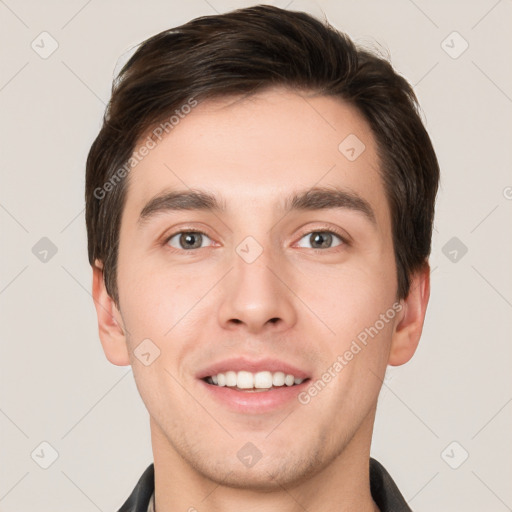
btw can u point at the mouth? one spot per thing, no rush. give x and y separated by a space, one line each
253 387
249 382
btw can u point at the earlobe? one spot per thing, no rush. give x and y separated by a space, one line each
407 331
110 325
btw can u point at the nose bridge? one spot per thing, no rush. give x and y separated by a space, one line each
256 296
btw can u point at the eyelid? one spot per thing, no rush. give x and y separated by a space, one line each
180 231
342 234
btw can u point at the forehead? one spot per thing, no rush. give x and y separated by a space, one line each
251 152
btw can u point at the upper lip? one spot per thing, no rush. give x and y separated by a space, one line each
251 365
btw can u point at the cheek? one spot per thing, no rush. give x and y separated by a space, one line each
162 303
349 299
151 302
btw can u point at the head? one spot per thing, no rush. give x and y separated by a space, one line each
280 129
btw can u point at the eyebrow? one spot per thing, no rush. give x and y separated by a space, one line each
317 198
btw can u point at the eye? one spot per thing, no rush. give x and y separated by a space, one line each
322 239
186 240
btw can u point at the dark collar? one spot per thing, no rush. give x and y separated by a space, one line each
384 491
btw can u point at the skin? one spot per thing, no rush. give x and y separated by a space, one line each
253 152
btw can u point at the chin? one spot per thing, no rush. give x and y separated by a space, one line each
268 474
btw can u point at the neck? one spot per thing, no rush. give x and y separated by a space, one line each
341 485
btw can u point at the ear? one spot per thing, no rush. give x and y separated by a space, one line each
110 323
407 330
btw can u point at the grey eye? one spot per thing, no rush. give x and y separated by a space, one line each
187 240
321 239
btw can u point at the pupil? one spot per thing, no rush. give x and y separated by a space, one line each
188 240
319 238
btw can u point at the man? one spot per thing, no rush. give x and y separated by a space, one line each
260 202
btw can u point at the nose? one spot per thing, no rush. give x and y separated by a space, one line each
256 296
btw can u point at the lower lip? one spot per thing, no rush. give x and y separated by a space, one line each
257 401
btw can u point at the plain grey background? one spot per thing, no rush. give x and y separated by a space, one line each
443 424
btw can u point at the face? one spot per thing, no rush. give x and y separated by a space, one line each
262 285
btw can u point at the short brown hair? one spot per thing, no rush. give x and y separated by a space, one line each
243 52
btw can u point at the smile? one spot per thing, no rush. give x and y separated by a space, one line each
249 381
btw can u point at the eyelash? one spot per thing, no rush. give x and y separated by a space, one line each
343 238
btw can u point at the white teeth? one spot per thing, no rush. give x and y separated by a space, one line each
245 380
263 380
259 380
278 379
231 379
